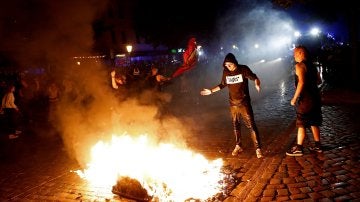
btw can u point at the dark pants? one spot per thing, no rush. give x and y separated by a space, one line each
11 119
245 113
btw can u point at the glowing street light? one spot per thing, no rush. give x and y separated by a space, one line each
297 34
129 49
315 31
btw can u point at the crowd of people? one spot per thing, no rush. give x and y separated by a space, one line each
26 97
140 78
22 94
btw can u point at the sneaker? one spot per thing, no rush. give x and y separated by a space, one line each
259 153
316 149
236 150
13 136
295 151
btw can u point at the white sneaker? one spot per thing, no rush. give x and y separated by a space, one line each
236 150
259 154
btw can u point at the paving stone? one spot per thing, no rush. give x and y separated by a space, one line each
266 198
320 188
282 192
258 189
315 196
298 185
275 186
305 190
325 200
298 196
340 191
355 195
294 190
343 198
328 193
343 177
269 192
289 180
275 181
339 184
282 198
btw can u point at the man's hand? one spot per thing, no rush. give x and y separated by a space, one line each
205 91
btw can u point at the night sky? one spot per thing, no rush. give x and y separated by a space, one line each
35 29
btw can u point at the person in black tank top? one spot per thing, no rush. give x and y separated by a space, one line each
306 100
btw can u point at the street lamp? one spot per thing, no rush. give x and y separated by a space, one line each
129 49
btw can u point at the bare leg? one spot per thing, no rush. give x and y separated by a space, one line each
316 133
301 135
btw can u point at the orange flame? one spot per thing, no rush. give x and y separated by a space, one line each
186 174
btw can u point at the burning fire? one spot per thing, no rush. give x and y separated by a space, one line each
167 173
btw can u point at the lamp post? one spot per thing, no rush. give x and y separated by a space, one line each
129 49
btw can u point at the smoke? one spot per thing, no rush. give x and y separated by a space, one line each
41 32
98 113
258 35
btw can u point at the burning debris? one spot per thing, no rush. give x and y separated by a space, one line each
155 172
130 188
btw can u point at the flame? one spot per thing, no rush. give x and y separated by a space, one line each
166 172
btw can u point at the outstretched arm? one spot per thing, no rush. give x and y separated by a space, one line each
257 84
207 91
113 80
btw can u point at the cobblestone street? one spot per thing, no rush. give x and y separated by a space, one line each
34 168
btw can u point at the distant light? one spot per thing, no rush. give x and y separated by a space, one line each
78 63
200 51
129 48
235 47
315 31
89 57
256 45
120 55
297 34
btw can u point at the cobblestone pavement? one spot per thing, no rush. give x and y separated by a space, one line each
34 168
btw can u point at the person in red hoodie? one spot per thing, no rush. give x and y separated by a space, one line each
235 77
190 58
